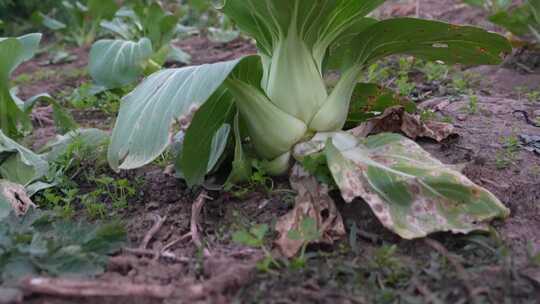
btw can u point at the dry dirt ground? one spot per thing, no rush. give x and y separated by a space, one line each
370 266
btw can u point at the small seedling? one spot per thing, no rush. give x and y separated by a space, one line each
427 115
509 154
255 237
473 104
435 71
307 232
258 181
533 96
534 257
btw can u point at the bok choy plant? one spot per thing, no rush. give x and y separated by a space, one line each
14 112
278 108
143 35
78 21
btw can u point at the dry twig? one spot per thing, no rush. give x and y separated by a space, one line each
158 223
195 221
94 288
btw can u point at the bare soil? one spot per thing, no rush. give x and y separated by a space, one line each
482 268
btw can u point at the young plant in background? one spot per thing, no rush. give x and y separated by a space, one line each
522 21
282 110
14 112
78 21
143 43
217 26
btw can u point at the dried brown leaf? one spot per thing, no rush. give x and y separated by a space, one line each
15 195
396 119
313 202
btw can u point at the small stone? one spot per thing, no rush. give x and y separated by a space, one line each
462 117
10 295
152 206
536 114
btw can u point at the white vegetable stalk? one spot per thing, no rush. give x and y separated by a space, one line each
297 102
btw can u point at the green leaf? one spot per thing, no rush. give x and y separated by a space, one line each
40 243
117 63
18 164
241 166
146 115
259 231
178 55
57 147
245 238
431 40
370 100
410 192
197 151
50 23
64 122
13 52
318 23
102 9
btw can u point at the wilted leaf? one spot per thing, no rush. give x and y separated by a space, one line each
397 119
312 201
410 192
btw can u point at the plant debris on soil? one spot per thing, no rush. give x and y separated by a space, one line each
180 246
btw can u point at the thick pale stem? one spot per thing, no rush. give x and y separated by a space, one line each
333 115
272 131
294 83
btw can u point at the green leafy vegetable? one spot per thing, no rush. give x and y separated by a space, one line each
283 100
39 243
116 63
523 20
79 20
14 112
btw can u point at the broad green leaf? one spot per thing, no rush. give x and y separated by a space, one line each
102 9
13 52
431 40
293 37
30 45
142 129
18 164
318 23
117 63
410 192
197 147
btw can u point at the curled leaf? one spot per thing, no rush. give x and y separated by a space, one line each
312 202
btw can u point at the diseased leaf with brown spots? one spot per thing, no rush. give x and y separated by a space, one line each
411 193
